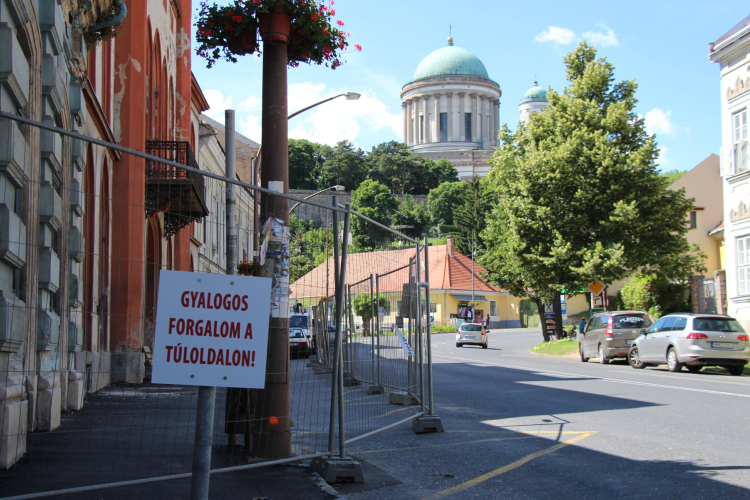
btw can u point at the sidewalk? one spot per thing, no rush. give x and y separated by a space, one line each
134 432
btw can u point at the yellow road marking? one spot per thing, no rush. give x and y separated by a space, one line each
509 467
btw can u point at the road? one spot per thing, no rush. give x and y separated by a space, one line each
523 426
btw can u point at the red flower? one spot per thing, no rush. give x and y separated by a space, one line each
333 12
256 2
324 31
314 17
230 13
229 27
332 2
340 22
237 19
358 47
327 49
323 8
212 23
207 32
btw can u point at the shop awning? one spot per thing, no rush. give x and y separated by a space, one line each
467 298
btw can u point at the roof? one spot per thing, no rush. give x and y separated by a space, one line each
535 93
450 61
734 30
446 273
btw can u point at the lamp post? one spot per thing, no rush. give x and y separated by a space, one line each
473 254
337 187
350 96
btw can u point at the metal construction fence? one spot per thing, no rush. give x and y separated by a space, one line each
349 354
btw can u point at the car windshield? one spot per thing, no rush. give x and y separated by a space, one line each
631 321
298 322
296 333
471 328
717 325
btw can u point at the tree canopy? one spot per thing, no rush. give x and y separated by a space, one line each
413 214
305 163
579 196
442 201
469 218
374 200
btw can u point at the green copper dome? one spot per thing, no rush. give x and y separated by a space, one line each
450 61
535 93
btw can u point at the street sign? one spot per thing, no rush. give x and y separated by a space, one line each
563 308
432 319
381 314
211 330
404 344
433 307
596 287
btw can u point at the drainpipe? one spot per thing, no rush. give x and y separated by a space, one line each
115 20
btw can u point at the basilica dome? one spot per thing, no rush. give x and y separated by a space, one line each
450 61
535 93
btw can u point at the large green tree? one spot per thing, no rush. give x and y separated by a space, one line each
305 163
412 214
373 200
344 165
437 172
470 217
579 194
395 166
443 201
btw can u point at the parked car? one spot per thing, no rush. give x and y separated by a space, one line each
472 334
693 341
299 343
608 335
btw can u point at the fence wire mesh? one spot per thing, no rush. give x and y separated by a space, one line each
79 408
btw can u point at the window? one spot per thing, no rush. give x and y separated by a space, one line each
693 219
17 202
421 128
658 326
740 149
443 127
467 122
16 282
398 305
743 265
493 308
669 324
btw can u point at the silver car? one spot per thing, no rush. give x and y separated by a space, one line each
472 334
608 335
693 341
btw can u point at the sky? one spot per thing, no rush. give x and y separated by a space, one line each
662 44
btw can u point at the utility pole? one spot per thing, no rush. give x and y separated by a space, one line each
271 436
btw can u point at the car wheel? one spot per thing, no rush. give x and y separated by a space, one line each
602 358
735 369
694 368
634 359
580 351
459 345
672 363
485 345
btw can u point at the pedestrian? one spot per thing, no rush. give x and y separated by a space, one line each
479 319
487 322
582 325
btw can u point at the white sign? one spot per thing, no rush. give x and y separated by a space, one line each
404 344
211 330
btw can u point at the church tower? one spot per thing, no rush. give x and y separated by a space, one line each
534 101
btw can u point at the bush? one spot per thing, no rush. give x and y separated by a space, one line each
654 294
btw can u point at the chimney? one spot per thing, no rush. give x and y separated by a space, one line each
449 246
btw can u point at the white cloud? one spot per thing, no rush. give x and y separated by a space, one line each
658 121
217 104
560 36
328 123
663 161
608 39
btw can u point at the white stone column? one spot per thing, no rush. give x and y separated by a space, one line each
437 117
474 117
485 121
409 126
403 112
426 114
461 117
496 119
450 117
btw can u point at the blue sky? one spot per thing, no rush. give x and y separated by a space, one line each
663 44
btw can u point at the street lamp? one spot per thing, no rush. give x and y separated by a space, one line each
337 187
350 96
474 253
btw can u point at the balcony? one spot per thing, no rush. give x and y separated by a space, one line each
176 192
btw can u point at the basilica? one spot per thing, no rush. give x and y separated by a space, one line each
451 109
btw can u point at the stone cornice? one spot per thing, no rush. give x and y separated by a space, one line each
97 115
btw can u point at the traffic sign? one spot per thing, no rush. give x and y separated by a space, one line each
596 287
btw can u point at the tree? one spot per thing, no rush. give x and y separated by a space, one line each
438 172
469 218
411 213
672 176
442 201
579 196
395 166
343 165
362 303
375 201
305 163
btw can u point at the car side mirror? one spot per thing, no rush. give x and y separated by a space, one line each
487 331
644 332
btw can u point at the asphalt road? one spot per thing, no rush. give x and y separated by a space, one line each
522 426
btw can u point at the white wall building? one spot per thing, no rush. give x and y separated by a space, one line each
534 101
732 52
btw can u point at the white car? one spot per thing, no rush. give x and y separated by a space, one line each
472 334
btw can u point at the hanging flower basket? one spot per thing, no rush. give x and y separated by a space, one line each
244 43
249 268
275 25
307 25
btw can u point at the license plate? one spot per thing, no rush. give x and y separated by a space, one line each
469 338
627 342
722 345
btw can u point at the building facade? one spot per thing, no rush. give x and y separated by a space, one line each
732 52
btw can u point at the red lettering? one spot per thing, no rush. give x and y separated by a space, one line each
177 353
199 328
169 352
202 301
217 301
208 302
185 299
224 329
193 296
189 329
236 302
211 356
220 357
203 361
253 363
171 325
236 358
227 302
216 330
207 332
184 354
249 331
234 330
194 355
244 303
245 358
180 326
